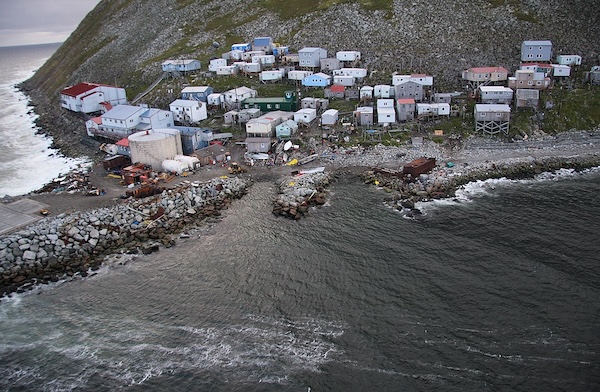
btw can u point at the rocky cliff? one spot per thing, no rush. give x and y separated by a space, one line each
123 42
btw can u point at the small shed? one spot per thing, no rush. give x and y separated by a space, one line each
559 70
363 115
258 144
286 129
348 55
568 59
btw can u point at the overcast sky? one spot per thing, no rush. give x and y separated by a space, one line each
28 22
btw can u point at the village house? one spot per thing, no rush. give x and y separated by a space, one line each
310 57
196 93
344 80
286 103
271 75
348 55
243 47
330 64
527 98
442 97
329 117
249 68
358 73
491 119
214 64
265 60
335 91
559 70
235 96
317 80
182 66
366 93
286 129
422 79
193 138
245 115
214 100
280 51
124 120
264 44
248 56
260 127
568 59
187 111
593 76
305 116
405 108
298 75
528 79
363 116
409 89
383 91
536 51
495 94
314 103
428 110
386 113
91 97
478 76
227 70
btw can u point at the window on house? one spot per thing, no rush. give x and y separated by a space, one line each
498 114
540 48
531 48
530 83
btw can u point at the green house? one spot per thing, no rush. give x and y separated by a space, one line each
287 103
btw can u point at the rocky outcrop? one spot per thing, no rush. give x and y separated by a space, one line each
76 244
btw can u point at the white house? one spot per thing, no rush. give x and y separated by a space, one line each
495 94
386 113
559 70
266 59
422 79
305 116
243 47
239 94
251 67
259 127
214 99
298 75
366 92
269 76
568 59
180 65
186 111
358 73
311 57
383 91
227 70
348 55
329 117
214 64
249 55
91 97
433 109
344 80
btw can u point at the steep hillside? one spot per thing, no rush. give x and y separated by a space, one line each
124 41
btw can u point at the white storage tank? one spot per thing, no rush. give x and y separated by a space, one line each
173 166
152 147
191 162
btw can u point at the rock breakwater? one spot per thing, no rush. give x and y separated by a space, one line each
298 193
76 244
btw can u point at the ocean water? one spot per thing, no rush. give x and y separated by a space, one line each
495 290
26 160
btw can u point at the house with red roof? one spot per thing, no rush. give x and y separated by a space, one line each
91 97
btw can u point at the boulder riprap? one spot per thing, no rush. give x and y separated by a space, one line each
74 244
298 193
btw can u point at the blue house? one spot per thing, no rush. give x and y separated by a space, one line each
317 80
263 43
245 47
196 93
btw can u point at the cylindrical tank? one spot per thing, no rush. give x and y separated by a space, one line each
171 165
152 147
191 162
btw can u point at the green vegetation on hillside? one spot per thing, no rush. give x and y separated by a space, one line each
287 10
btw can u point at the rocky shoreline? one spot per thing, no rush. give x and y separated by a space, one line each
76 244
